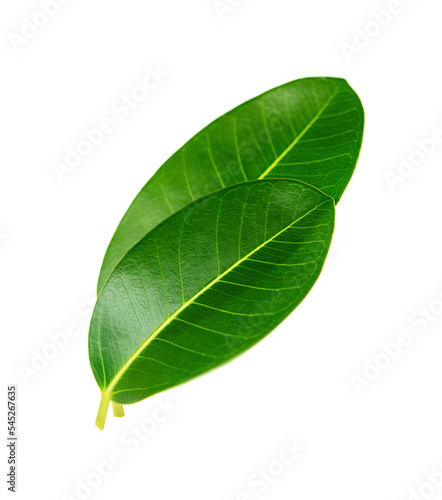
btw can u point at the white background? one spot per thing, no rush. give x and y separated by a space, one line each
297 384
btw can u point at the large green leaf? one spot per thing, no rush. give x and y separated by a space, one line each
309 129
205 285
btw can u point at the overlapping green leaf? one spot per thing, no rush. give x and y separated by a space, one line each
309 129
205 285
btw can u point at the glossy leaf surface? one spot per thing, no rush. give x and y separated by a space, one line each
309 129
205 285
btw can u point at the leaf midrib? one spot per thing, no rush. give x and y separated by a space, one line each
300 136
108 390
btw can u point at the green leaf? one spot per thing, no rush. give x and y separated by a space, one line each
205 285
309 129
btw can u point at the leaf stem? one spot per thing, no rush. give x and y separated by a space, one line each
102 410
118 410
